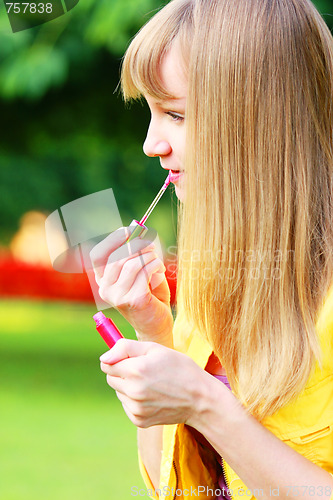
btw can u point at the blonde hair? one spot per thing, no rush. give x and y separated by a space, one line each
256 228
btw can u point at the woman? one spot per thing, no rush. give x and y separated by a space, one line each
252 165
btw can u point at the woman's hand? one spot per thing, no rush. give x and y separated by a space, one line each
155 384
132 280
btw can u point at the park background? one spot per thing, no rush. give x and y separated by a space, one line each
65 133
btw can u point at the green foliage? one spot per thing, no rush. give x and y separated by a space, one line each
35 60
325 8
34 72
111 25
65 130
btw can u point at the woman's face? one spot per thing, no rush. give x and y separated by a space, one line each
166 133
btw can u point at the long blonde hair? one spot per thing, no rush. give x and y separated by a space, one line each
256 229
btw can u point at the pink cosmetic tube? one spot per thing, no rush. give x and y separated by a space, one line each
107 329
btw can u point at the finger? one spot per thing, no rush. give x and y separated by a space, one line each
125 391
132 411
129 369
113 266
156 280
127 290
126 348
100 253
137 245
117 250
131 405
144 277
124 271
144 273
120 369
116 383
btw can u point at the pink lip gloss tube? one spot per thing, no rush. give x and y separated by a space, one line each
107 329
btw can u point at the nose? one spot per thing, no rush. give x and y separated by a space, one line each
155 144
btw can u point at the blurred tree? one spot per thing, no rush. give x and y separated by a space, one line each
65 131
47 56
34 60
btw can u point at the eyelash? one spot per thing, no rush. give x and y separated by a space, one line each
175 117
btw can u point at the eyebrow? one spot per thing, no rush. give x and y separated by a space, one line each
169 101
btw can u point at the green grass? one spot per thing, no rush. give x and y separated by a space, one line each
63 432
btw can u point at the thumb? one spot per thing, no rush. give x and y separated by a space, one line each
125 348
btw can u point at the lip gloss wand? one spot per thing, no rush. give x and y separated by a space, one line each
140 229
105 326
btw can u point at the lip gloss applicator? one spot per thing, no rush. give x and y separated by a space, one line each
140 229
105 326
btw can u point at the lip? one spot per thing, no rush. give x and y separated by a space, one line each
175 176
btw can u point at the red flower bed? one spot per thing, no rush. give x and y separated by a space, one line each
20 279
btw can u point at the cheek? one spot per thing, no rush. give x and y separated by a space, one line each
179 143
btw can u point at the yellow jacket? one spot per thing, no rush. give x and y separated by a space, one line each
305 424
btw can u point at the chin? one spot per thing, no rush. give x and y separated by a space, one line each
180 193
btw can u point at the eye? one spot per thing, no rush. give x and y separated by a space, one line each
176 117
